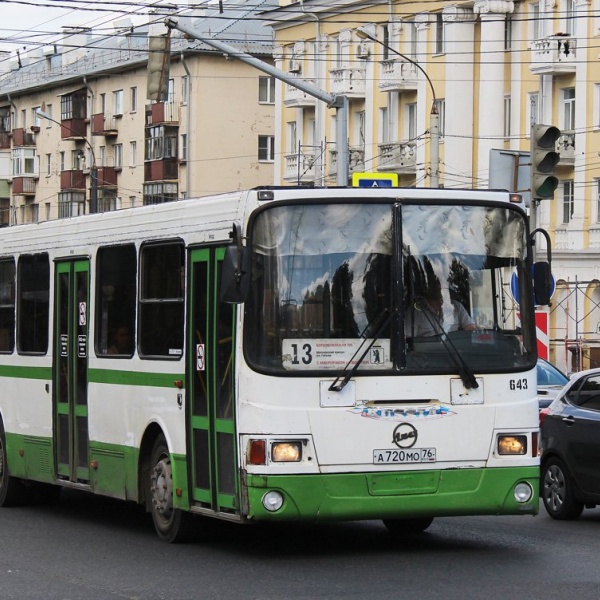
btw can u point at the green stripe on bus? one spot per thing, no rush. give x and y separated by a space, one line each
110 376
25 372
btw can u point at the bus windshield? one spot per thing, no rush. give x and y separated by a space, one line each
395 287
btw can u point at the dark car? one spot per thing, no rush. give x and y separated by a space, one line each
570 448
550 381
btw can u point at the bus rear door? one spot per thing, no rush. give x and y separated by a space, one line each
70 377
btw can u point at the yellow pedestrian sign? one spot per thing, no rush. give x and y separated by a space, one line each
375 180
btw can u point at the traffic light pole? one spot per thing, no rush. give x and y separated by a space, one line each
339 102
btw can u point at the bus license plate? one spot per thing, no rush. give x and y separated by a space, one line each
409 455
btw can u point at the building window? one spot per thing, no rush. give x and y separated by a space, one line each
440 104
35 117
107 200
132 154
33 304
133 99
292 138
414 40
73 106
568 200
439 34
62 161
359 128
103 104
411 118
171 91
570 16
569 109
184 147
161 142
185 89
534 108
597 186
101 156
71 204
48 111
386 42
384 125
118 149
266 90
266 148
48 164
508 32
507 106
115 313
118 102
534 11
161 306
158 193
23 161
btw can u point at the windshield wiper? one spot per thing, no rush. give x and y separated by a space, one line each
466 374
380 325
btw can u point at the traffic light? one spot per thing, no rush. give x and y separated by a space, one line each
159 47
544 159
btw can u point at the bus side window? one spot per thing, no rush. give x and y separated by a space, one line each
7 305
115 301
161 306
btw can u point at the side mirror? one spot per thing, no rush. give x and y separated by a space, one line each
235 272
542 283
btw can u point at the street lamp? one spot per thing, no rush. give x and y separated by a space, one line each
434 117
93 169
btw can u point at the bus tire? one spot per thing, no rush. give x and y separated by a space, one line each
402 526
172 525
13 491
557 491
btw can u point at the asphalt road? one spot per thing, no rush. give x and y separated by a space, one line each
89 548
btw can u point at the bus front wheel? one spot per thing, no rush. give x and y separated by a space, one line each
171 524
13 491
402 526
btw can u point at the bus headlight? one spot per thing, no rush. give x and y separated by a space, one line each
272 501
523 492
286 452
512 445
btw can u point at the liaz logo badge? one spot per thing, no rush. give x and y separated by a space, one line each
405 435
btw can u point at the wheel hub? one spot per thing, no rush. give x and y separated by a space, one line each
162 488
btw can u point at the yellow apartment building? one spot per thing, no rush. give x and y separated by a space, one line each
491 68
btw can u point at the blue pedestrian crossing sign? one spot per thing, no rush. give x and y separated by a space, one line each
375 180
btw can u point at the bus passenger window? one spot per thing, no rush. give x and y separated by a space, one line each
115 301
161 300
7 305
33 304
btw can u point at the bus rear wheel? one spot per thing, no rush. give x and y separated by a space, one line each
172 525
402 526
13 491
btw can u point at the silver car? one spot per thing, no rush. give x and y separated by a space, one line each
550 381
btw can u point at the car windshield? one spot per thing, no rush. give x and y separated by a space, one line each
548 374
428 283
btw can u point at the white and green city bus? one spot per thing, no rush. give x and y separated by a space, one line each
276 376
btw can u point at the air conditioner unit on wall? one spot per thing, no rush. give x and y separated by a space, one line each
295 66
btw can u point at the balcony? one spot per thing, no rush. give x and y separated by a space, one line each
21 137
565 146
4 140
73 129
554 55
106 177
397 75
72 180
161 170
300 168
162 112
24 186
296 98
399 157
104 124
349 82
356 161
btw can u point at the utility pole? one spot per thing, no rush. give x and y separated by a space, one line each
340 103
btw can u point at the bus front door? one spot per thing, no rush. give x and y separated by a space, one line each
210 366
70 370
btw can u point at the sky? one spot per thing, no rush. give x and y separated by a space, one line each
28 23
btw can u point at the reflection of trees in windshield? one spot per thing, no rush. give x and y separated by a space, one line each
344 323
458 283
